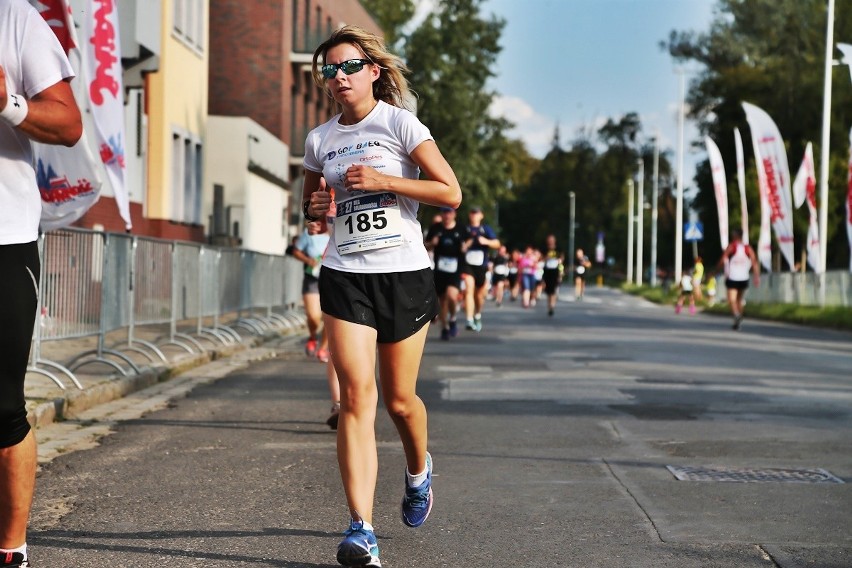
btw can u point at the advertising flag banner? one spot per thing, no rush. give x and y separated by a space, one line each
776 173
67 178
720 188
846 49
741 182
102 62
764 241
804 189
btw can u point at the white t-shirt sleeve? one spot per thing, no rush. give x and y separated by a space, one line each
45 64
311 160
410 131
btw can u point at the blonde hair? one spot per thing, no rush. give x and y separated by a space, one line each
391 86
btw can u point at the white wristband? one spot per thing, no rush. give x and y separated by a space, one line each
16 110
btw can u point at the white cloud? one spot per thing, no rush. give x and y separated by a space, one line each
534 129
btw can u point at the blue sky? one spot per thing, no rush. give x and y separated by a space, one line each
579 62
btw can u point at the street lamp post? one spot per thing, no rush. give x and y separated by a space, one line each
630 231
640 219
679 206
571 233
654 213
823 162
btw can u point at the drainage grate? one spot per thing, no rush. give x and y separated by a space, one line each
749 475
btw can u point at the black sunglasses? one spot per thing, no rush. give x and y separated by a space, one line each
329 70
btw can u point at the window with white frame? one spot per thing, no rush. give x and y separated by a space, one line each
187 154
188 24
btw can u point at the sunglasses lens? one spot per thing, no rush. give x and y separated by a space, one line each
329 71
352 66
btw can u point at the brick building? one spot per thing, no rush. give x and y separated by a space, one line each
260 55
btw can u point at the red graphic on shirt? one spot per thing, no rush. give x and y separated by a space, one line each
61 190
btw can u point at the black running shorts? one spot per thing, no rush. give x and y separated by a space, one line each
478 273
551 281
310 285
444 280
395 304
19 265
736 284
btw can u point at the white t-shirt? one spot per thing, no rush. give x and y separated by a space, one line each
383 140
739 264
32 60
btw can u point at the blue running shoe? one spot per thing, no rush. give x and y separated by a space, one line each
417 502
359 548
454 329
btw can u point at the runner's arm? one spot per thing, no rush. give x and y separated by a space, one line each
53 116
314 190
441 188
755 265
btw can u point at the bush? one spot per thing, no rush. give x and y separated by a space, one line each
834 317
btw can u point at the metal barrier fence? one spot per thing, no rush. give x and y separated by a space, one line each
95 283
799 288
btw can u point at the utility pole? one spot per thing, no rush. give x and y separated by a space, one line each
630 231
571 197
654 212
679 207
640 220
823 162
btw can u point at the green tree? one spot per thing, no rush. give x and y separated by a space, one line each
452 55
599 181
769 53
391 15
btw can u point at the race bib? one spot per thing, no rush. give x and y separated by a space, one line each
475 257
368 222
551 263
501 269
448 264
581 269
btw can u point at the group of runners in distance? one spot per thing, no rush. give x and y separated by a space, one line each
471 264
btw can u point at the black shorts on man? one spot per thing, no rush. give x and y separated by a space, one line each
19 264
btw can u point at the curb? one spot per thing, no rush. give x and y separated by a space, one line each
73 402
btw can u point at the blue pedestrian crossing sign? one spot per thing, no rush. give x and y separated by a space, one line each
693 231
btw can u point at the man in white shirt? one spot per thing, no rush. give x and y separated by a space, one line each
36 103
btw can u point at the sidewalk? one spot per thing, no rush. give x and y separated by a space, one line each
47 402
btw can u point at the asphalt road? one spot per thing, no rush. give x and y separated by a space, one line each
550 437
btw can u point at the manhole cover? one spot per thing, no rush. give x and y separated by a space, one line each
816 475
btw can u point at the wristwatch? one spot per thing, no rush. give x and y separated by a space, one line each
308 216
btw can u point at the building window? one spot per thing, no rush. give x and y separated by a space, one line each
187 154
188 26
177 177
